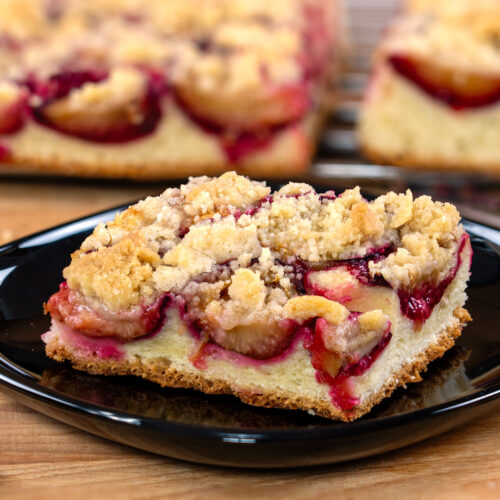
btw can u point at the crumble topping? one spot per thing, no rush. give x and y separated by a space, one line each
229 246
123 87
372 321
119 273
205 197
206 44
210 243
469 42
427 241
242 52
22 18
247 302
119 97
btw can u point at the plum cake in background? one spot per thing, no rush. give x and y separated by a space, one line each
434 97
294 299
163 89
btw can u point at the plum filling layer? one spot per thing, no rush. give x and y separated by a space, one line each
338 352
458 90
334 368
208 349
256 340
417 304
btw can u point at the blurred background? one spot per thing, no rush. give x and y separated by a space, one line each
30 202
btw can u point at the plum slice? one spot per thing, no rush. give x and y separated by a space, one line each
419 302
70 307
340 285
102 120
260 340
457 88
340 352
244 125
273 106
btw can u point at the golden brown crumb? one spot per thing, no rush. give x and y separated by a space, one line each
221 195
310 306
127 251
120 274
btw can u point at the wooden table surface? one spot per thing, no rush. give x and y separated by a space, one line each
42 458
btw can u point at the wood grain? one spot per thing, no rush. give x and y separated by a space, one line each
42 458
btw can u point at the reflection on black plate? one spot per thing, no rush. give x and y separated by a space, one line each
219 429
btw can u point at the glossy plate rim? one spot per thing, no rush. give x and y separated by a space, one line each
15 380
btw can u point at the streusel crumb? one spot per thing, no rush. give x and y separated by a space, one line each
243 241
228 192
117 274
244 37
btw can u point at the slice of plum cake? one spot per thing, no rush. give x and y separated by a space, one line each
291 299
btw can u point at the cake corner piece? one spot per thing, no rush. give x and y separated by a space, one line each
292 299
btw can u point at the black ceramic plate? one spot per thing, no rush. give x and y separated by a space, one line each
218 429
